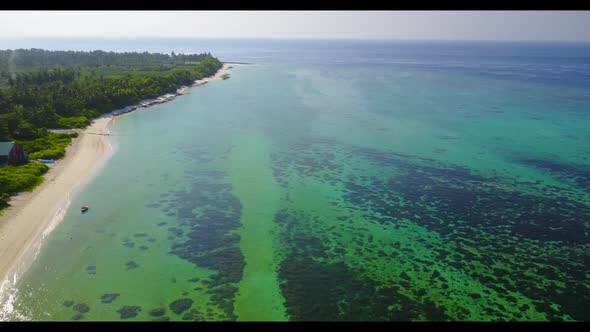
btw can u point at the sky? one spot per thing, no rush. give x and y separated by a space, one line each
405 25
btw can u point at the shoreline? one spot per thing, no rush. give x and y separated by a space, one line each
222 73
33 215
219 75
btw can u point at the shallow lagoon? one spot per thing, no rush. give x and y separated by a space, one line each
327 189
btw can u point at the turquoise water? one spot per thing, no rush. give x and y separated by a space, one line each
318 186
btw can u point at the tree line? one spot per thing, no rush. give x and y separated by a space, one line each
43 58
65 97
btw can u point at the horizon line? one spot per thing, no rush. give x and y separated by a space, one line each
301 38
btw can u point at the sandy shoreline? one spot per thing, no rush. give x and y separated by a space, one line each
33 215
29 220
218 76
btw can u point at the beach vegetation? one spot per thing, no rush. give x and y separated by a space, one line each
15 179
49 146
3 200
74 122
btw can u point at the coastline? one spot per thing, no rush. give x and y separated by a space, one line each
218 76
33 215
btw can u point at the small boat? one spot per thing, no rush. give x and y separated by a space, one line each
85 208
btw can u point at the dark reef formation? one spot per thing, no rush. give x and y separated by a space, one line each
209 215
81 308
157 312
511 237
129 311
108 298
181 305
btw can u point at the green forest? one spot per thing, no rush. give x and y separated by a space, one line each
42 89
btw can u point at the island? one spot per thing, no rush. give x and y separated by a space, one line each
44 92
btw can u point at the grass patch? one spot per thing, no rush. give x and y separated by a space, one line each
73 122
15 179
51 146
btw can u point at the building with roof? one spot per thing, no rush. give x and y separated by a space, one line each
12 153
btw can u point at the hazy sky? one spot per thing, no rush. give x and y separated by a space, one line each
483 25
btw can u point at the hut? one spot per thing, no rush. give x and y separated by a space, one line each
5 148
12 153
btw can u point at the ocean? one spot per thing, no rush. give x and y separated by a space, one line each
335 180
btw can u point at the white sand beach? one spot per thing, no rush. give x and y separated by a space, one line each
218 76
27 221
